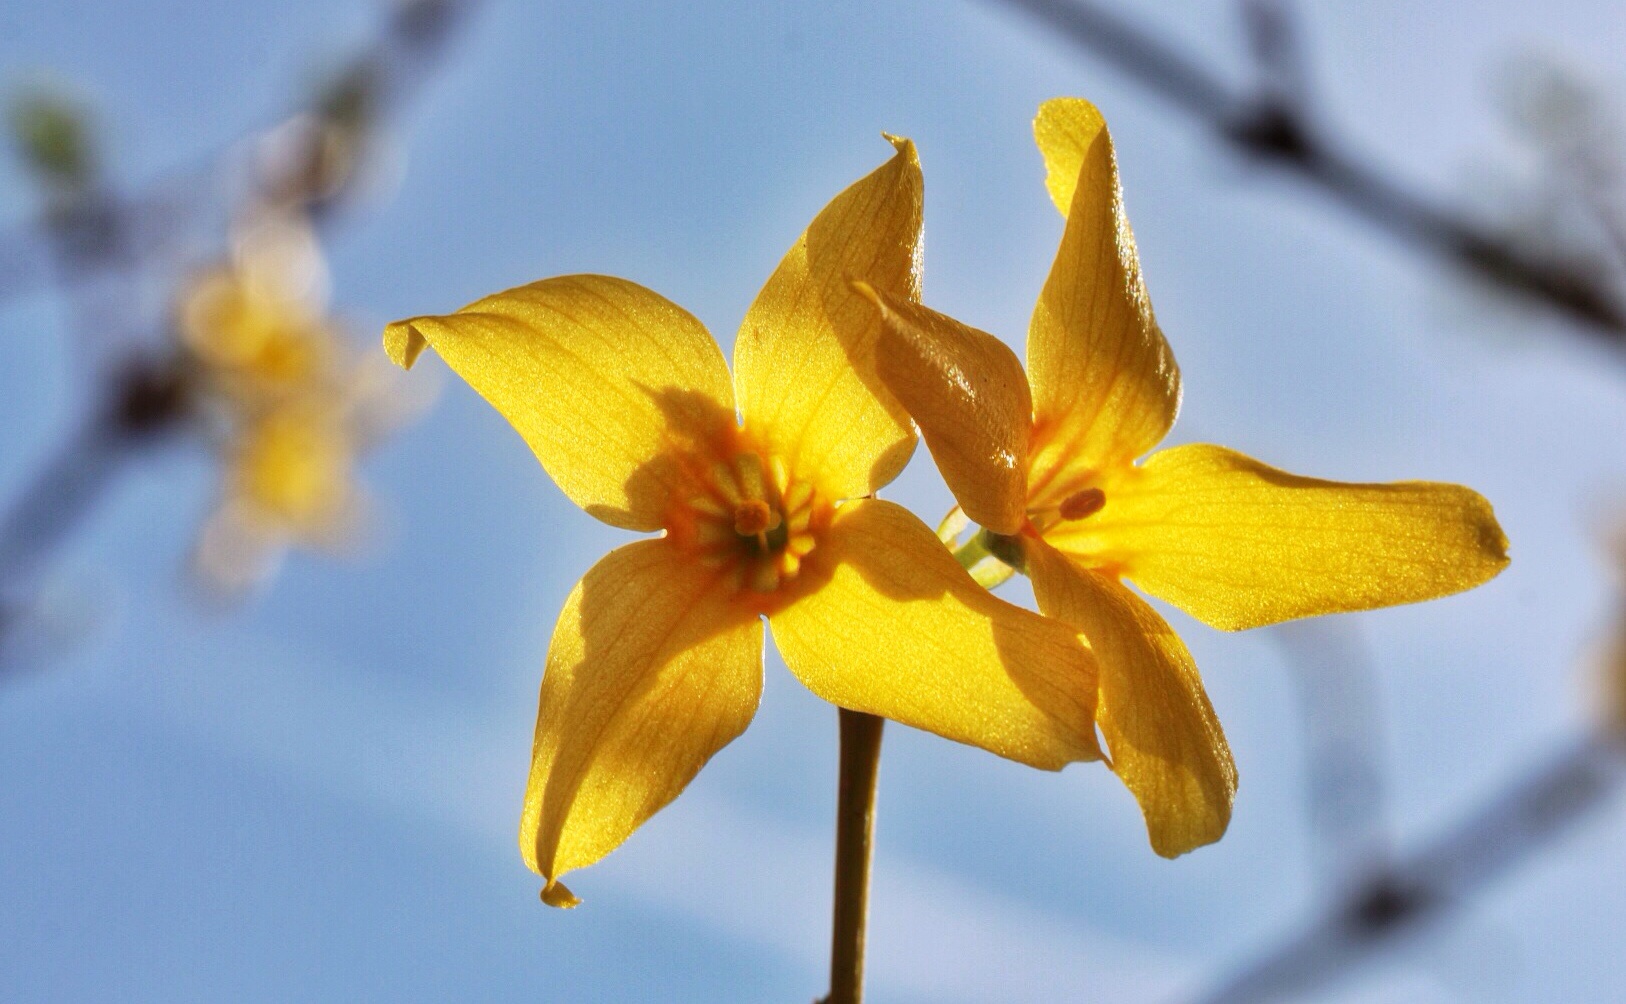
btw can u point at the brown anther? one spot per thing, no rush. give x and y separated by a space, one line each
754 516
1081 504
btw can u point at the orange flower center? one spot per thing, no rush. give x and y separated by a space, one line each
754 516
750 519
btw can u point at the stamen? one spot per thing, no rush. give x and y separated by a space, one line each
753 517
789 564
748 475
1081 504
780 472
723 480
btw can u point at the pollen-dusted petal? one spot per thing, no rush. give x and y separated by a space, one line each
1161 731
966 390
1238 544
804 363
652 669
899 629
1105 385
607 381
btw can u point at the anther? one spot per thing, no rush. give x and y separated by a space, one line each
754 516
1081 504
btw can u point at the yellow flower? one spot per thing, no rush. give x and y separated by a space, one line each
656 661
291 406
1046 462
288 479
257 322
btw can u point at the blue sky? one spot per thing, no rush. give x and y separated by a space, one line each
315 798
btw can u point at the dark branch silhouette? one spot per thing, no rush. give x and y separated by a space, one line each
1423 888
1269 124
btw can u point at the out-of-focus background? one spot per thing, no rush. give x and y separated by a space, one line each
315 795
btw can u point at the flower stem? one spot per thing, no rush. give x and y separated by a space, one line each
855 829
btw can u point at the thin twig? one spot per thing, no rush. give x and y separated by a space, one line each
1423 888
1262 126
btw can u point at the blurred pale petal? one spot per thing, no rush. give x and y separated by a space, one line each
967 392
612 385
1161 731
652 669
1105 385
294 466
897 628
1238 544
804 363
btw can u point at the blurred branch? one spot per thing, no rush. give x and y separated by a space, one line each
327 144
1343 739
314 165
1269 123
309 165
1420 890
145 401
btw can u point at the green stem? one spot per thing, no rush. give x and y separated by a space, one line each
990 558
855 830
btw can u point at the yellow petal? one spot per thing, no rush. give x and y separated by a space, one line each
610 384
1161 731
966 390
898 629
1105 385
804 363
652 669
1238 544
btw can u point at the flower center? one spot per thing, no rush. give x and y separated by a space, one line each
750 517
754 516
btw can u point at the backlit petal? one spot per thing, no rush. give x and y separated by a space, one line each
966 390
652 669
898 629
1105 385
1238 544
610 384
804 363
1161 731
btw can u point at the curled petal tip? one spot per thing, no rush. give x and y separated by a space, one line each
403 343
556 895
904 145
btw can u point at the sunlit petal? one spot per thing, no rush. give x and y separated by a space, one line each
608 382
804 363
1161 731
1105 385
966 390
652 670
899 629
1238 544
